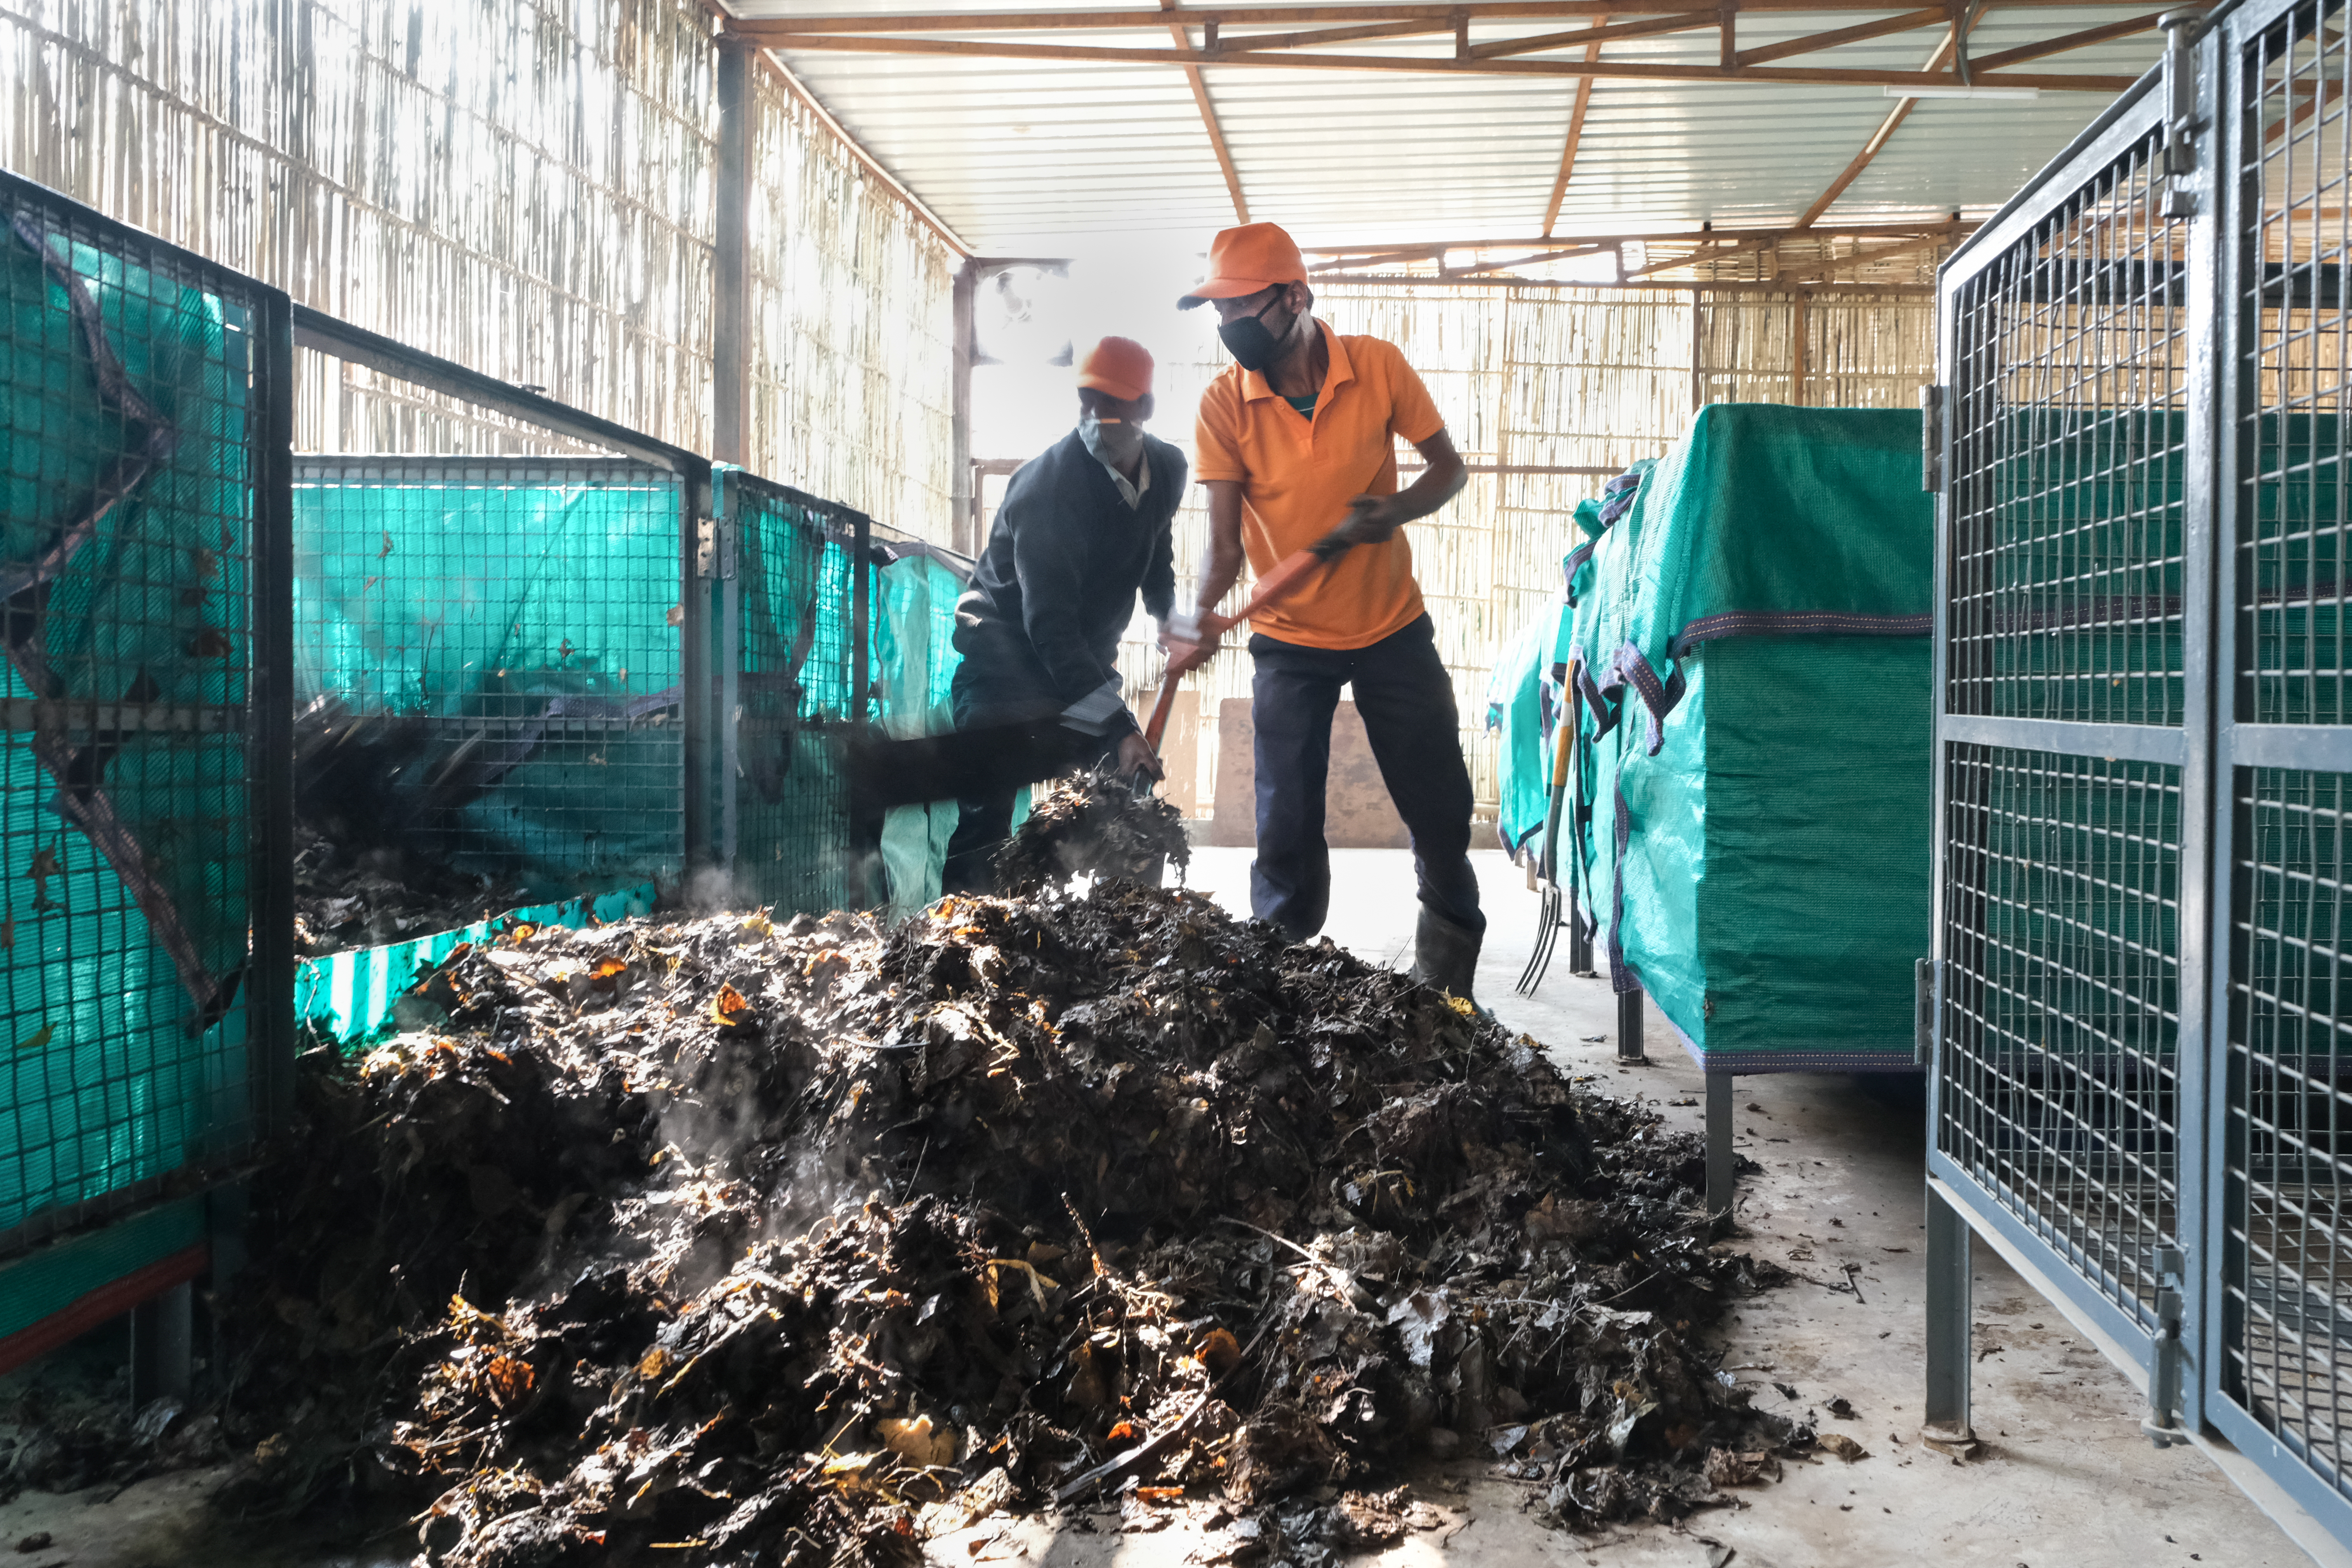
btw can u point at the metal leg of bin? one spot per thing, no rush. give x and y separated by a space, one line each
1948 1307
1580 943
1722 1163
162 1346
1629 1027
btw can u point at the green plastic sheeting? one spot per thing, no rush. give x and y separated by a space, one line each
1758 768
517 616
916 659
795 649
349 995
1515 710
125 537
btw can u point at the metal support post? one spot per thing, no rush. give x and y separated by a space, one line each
730 268
162 1346
1629 1027
1948 1307
1722 1163
1580 942
268 997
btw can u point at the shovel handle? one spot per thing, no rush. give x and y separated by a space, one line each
1287 576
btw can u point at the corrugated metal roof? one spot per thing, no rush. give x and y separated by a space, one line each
1047 158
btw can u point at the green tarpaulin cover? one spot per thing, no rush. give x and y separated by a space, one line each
1755 656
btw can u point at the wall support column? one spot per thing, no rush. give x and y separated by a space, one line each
730 315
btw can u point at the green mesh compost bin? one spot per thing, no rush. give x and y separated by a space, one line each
1755 656
134 486
788 631
508 631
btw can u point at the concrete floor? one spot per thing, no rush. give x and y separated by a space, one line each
2063 1478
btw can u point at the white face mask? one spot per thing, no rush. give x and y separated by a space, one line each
1114 441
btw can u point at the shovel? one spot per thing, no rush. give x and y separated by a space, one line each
993 758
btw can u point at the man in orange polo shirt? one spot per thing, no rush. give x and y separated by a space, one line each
1295 440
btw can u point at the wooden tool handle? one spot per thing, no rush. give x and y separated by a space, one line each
1288 575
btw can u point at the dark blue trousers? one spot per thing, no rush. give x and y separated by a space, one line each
1406 700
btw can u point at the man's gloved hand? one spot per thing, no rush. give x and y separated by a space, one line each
1371 521
1135 755
1187 642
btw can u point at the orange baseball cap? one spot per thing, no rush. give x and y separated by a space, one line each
1246 260
1121 367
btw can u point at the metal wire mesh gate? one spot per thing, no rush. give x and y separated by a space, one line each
2142 1074
145 960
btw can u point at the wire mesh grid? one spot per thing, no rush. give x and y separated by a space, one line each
2291 508
489 663
2070 390
2061 1012
131 414
795 680
2288 1278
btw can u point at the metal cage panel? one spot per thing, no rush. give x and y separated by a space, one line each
498 642
145 985
793 652
2142 1058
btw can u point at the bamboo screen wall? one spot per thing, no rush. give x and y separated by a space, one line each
1545 378
853 356
524 186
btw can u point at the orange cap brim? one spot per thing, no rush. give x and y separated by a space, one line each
1228 289
1125 391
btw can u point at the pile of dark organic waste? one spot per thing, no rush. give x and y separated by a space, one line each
347 894
1093 825
368 794
802 1242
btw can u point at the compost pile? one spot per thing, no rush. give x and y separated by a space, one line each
1092 824
797 1243
367 795
347 894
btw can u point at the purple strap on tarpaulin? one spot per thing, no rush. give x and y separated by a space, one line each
1798 623
1576 558
1632 667
1604 711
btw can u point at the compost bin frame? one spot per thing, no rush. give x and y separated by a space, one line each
2119 1185
138 1247
121 1248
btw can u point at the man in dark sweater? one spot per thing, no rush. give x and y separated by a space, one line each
1082 527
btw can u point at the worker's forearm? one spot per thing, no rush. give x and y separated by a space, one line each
1438 484
1219 569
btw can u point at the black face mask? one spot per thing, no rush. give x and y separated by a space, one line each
1247 339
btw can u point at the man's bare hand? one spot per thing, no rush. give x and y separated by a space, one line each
1372 519
1136 756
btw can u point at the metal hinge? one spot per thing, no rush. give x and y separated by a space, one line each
714 547
2163 1426
2181 120
1923 1011
1931 437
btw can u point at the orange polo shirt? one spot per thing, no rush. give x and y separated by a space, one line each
1299 478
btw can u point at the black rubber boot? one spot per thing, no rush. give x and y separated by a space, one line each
1445 956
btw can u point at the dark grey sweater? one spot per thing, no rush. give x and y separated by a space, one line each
1056 587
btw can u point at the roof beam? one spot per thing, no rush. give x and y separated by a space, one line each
770 28
1568 253
1434 65
1315 38
1576 114
2063 42
1200 87
1377 251
1593 37
1818 270
1934 16
1703 257
1879 138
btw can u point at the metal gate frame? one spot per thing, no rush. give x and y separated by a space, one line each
2163 1312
